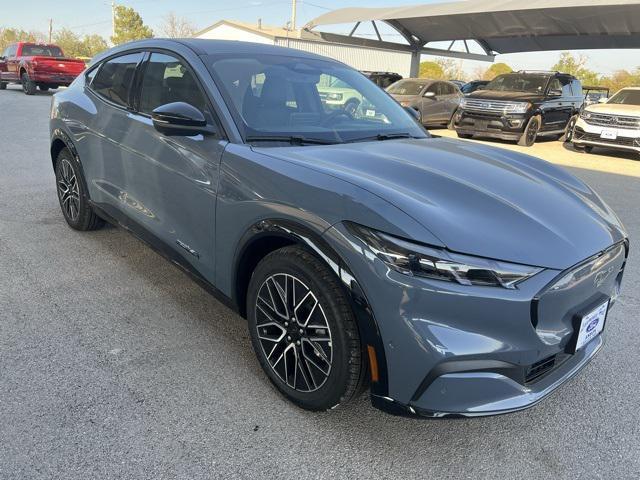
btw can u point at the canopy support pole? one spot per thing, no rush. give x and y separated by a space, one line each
414 70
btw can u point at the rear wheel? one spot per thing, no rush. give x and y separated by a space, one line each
43 88
303 330
28 86
464 135
72 194
530 134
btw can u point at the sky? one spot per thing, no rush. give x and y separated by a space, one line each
94 16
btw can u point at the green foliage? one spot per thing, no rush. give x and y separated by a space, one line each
496 69
129 26
431 70
13 35
74 46
576 66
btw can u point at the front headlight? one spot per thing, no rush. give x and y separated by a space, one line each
586 115
420 260
334 96
519 107
463 103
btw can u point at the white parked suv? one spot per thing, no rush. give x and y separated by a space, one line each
613 124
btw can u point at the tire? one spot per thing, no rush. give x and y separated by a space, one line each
464 135
43 88
3 85
530 134
315 375
72 194
28 87
568 132
351 106
583 148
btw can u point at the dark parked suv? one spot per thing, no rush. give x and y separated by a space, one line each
521 106
449 278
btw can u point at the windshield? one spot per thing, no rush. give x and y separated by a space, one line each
626 97
41 51
519 82
276 97
407 87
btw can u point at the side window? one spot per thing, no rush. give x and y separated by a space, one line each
555 85
10 51
167 80
113 80
434 88
90 75
576 87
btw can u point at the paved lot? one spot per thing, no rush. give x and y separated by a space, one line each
113 364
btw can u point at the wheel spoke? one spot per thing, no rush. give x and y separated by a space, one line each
296 344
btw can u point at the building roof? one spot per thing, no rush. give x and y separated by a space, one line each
508 26
264 30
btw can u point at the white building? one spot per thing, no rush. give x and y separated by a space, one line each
361 58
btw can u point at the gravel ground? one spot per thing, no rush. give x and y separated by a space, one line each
113 364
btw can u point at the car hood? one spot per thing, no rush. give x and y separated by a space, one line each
475 199
513 96
615 109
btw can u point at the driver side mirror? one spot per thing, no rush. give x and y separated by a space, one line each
430 95
180 118
555 93
2 58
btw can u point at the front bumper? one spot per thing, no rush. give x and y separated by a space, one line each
505 127
585 134
454 350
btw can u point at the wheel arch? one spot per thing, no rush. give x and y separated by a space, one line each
269 235
60 141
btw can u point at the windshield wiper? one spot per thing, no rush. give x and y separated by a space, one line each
384 136
292 139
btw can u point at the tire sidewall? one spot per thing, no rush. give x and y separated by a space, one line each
524 141
84 208
332 391
28 87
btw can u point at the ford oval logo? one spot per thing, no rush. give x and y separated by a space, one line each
592 325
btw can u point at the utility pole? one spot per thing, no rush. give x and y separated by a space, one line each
293 15
113 18
50 29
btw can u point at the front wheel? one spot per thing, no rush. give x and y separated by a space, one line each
351 107
3 85
568 133
464 135
28 86
530 134
303 330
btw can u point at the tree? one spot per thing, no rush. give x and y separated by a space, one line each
74 46
576 66
129 26
177 27
93 45
13 35
496 69
431 70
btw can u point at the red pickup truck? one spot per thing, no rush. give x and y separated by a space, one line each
36 65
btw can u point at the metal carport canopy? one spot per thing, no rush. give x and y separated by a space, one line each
500 26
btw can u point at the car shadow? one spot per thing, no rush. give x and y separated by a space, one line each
18 89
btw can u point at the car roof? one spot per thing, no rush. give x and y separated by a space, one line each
202 46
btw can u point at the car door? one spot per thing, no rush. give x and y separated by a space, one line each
557 108
172 180
431 105
10 69
451 98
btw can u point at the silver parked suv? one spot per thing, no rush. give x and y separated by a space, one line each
448 278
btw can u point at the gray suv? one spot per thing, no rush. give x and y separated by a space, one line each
446 278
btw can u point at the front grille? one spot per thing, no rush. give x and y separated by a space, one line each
594 137
538 369
497 107
606 120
